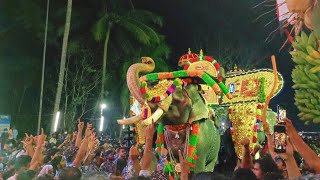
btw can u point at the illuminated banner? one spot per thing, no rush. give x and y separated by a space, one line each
251 86
5 122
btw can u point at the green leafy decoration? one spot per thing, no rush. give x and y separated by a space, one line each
262 93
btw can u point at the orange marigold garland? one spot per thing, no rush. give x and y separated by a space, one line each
160 138
191 157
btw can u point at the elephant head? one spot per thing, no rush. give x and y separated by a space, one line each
178 100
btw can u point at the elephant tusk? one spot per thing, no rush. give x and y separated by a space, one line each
130 120
154 117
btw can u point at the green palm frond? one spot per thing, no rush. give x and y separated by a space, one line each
162 50
161 65
153 36
100 28
136 31
123 42
146 17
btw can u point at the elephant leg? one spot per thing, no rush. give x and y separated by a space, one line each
207 147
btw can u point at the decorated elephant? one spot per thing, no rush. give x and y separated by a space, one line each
175 101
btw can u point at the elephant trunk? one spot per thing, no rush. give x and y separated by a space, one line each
133 82
129 121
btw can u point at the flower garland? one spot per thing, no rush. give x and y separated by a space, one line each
215 84
160 138
157 99
256 126
192 151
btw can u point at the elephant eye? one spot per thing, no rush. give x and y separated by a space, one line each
153 83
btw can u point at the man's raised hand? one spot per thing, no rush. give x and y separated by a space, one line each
245 142
149 132
80 125
184 167
134 153
89 130
41 138
74 136
28 140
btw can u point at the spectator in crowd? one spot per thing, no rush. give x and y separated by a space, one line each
70 173
27 175
108 165
53 139
15 133
21 164
4 137
121 160
264 165
58 163
243 174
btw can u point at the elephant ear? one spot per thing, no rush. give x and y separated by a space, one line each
199 108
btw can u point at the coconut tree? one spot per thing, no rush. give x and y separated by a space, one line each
139 24
63 60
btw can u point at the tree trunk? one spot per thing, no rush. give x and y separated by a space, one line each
105 54
66 96
131 4
22 98
63 62
43 67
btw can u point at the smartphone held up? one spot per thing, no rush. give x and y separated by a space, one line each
280 138
280 131
282 114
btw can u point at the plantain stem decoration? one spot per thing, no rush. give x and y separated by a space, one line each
265 108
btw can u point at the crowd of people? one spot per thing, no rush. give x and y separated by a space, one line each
313 140
85 155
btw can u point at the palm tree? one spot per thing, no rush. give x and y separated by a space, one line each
63 60
137 22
